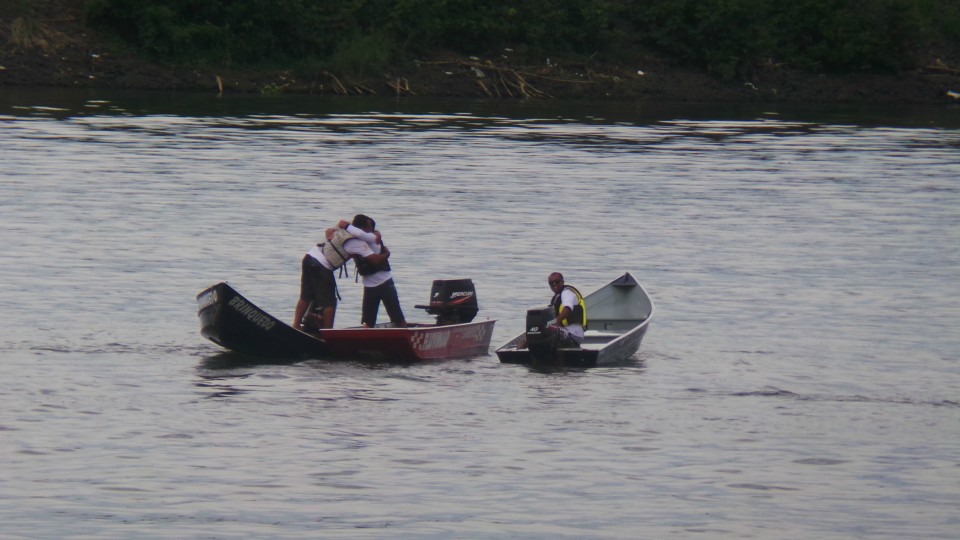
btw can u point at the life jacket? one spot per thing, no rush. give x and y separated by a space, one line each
333 249
366 268
579 311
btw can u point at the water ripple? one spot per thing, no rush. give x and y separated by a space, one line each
800 380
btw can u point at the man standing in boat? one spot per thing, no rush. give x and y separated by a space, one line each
570 310
378 284
317 282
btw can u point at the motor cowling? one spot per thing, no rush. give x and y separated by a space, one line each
540 339
453 301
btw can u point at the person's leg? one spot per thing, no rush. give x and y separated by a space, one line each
371 305
328 314
306 292
563 337
391 302
298 313
567 340
326 294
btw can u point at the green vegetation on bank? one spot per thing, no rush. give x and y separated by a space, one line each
728 37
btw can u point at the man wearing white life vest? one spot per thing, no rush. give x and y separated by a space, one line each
317 282
570 310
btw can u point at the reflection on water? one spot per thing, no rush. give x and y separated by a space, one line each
800 378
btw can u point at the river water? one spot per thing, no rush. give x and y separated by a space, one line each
801 378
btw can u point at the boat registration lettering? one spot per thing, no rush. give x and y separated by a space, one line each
459 337
206 300
252 314
477 334
436 340
472 336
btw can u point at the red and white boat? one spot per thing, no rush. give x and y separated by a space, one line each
414 343
454 335
235 323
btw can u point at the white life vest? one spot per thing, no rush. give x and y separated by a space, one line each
333 249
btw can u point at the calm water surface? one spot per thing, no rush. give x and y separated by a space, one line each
801 379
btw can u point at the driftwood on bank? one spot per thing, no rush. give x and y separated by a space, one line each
458 76
498 81
493 80
401 86
939 67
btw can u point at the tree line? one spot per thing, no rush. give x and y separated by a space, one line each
727 37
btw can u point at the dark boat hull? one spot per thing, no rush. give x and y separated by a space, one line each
233 322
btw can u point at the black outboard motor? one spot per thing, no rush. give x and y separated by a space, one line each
541 342
453 301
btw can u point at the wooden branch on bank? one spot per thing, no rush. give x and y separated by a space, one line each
508 78
527 88
506 86
943 68
484 87
339 87
400 86
554 79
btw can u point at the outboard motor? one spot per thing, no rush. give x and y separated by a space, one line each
541 342
453 301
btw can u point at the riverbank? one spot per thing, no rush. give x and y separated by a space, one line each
63 53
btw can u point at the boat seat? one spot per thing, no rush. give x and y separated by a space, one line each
616 326
592 337
599 334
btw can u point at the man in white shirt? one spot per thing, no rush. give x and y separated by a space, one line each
378 284
570 310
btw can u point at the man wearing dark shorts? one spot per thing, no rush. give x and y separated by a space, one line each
317 283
